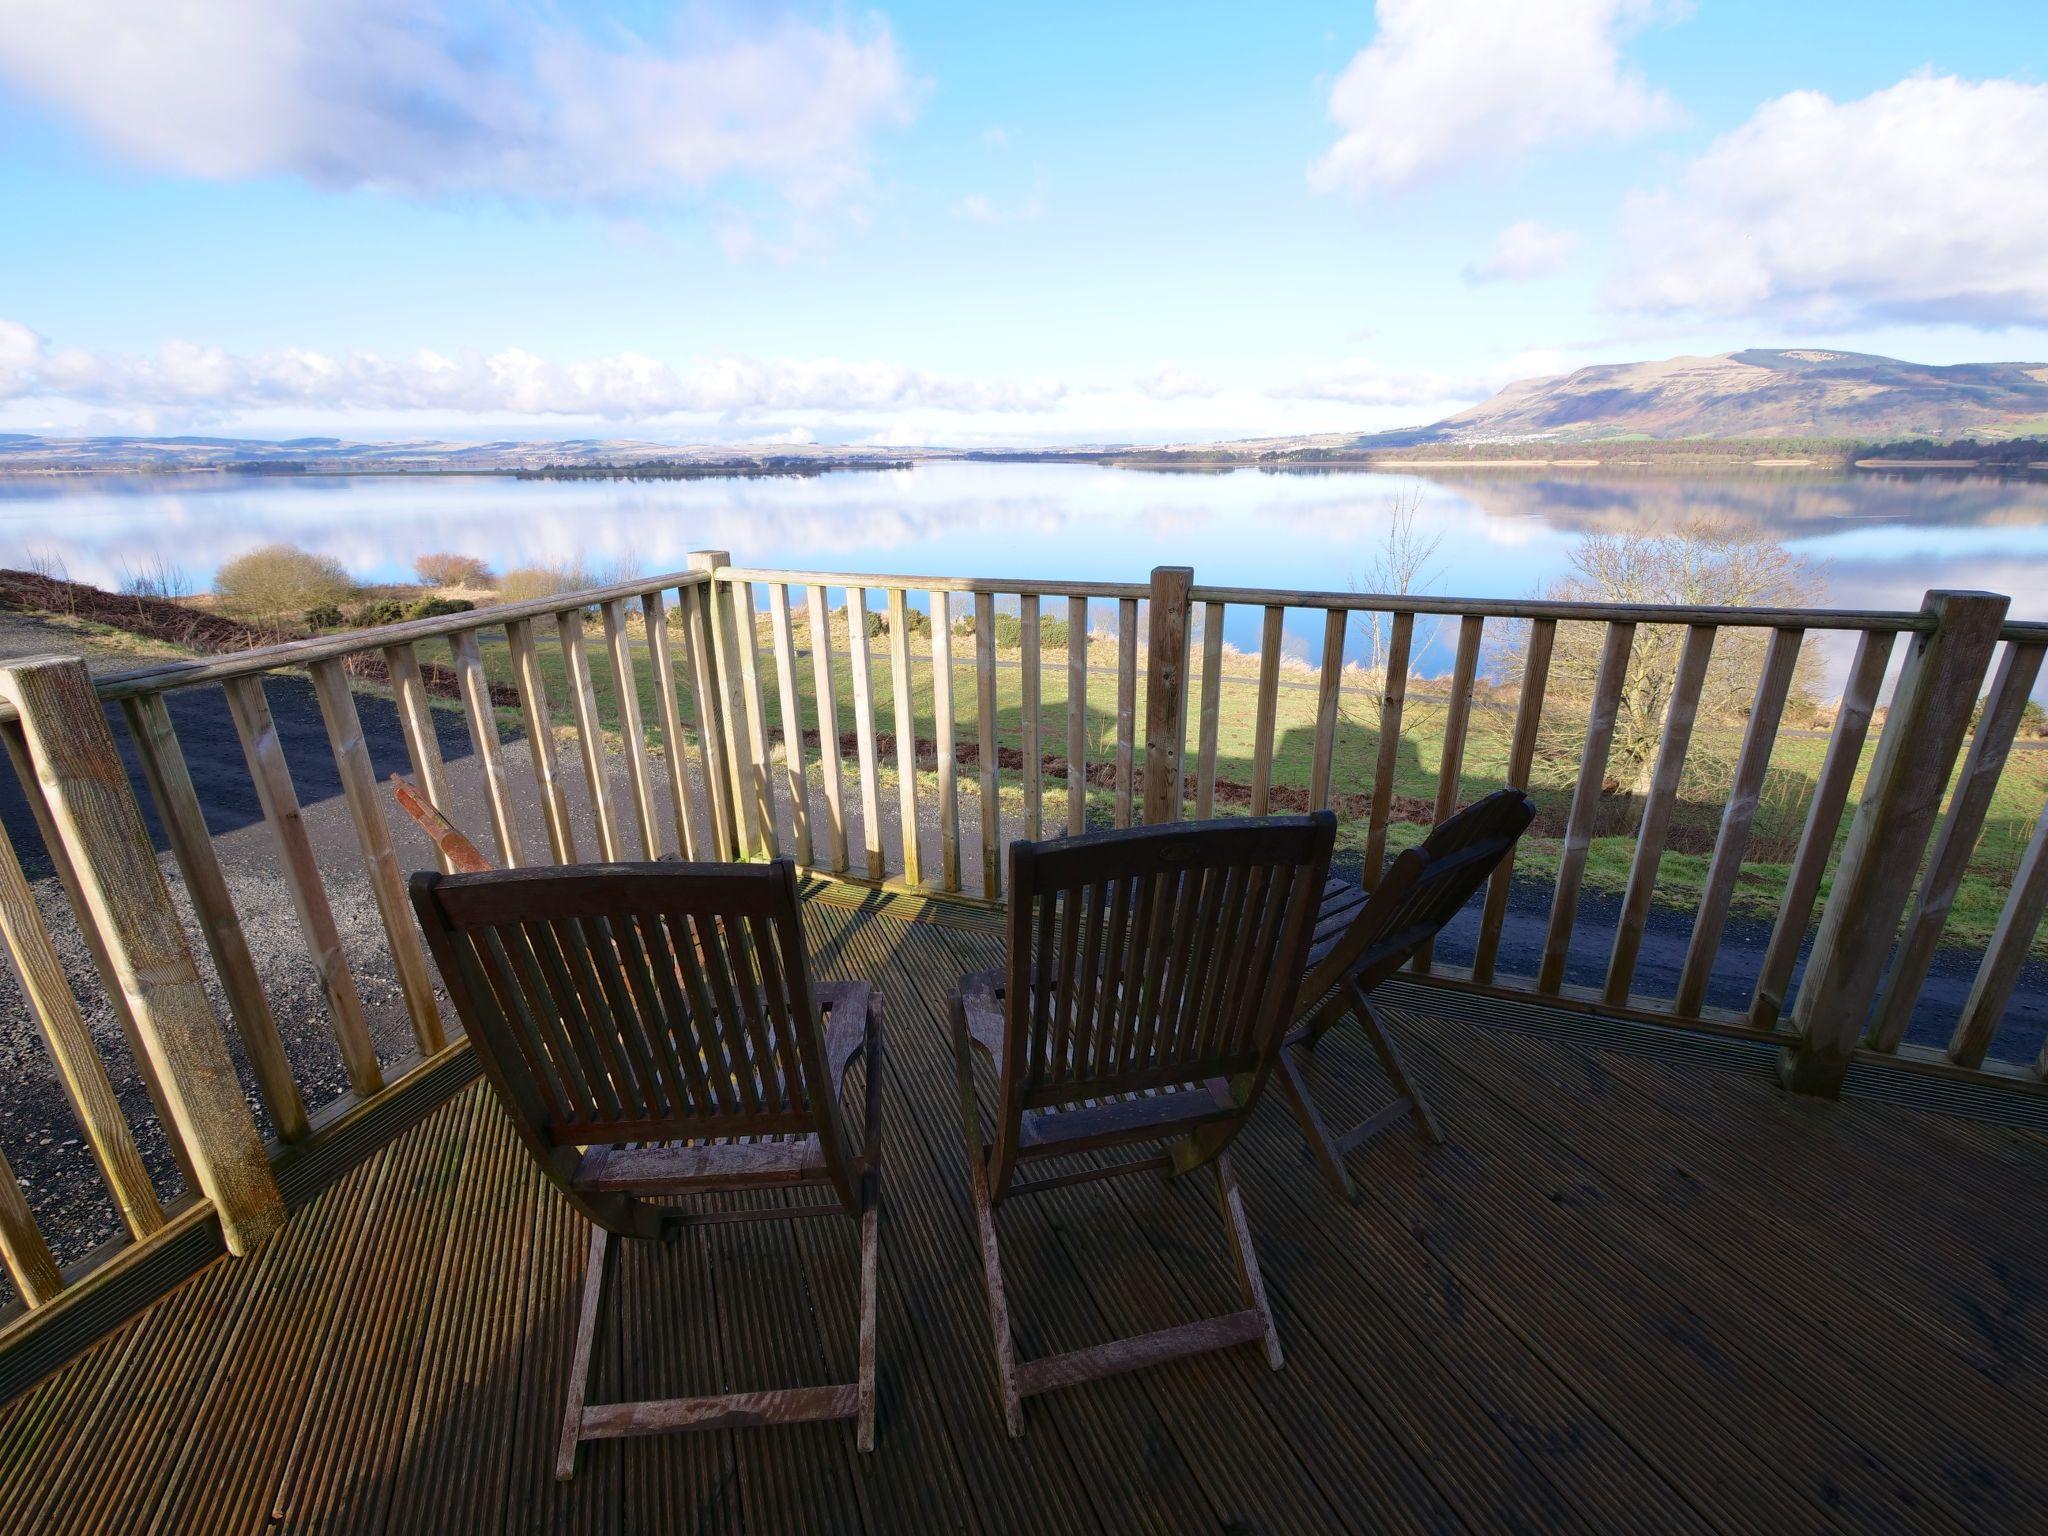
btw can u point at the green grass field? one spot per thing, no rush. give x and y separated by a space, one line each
1795 760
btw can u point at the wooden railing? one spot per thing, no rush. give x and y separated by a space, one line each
70 769
749 678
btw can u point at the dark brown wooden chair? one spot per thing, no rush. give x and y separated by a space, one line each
1362 938
654 1033
1150 974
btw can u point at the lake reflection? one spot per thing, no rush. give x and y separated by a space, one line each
1879 541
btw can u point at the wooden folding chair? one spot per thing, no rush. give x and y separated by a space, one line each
1362 937
1150 974
653 1031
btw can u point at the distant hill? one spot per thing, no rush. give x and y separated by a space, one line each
1803 392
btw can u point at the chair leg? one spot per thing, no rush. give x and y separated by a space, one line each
870 1226
985 1225
998 1302
595 1274
1327 1154
1390 1063
1247 1257
870 1263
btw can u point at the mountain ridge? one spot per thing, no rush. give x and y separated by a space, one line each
1758 392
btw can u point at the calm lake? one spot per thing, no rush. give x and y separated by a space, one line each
1877 540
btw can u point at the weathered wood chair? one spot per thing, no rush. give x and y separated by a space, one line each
654 1033
1362 938
1150 974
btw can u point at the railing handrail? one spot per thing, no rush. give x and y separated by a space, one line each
1881 619
137 682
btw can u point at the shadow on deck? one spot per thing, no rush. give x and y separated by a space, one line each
1630 1293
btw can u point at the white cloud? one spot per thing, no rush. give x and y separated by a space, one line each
1173 382
403 95
1924 201
1524 250
984 209
1445 83
183 377
1360 381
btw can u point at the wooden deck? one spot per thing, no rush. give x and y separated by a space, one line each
1629 1294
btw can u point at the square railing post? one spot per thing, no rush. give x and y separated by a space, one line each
93 809
1923 733
1166 690
722 719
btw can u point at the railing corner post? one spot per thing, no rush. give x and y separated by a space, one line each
94 811
721 748
1923 733
1166 690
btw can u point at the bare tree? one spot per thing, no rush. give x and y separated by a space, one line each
1404 563
1703 562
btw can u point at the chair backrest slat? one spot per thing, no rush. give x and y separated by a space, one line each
639 1003
1157 956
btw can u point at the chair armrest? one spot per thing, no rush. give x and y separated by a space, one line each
981 1003
848 1006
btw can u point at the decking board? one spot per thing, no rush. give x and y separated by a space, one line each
1574 1316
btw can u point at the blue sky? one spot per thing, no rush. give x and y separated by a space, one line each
946 223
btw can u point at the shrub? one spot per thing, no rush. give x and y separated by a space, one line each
268 583
1009 632
445 569
534 581
326 616
377 612
437 607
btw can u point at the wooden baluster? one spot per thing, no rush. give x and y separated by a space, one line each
72 1052
711 732
1034 764
416 720
906 733
1578 831
744 619
373 840
27 1257
177 804
1387 764
540 740
943 731
1450 767
831 755
987 745
1990 744
272 778
80 774
796 780
1923 734
1679 715
1751 764
1126 705
1077 715
16 742
1166 690
482 715
1264 711
2012 940
864 728
1329 692
675 750
1212 710
1823 816
632 734
589 732
1521 761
